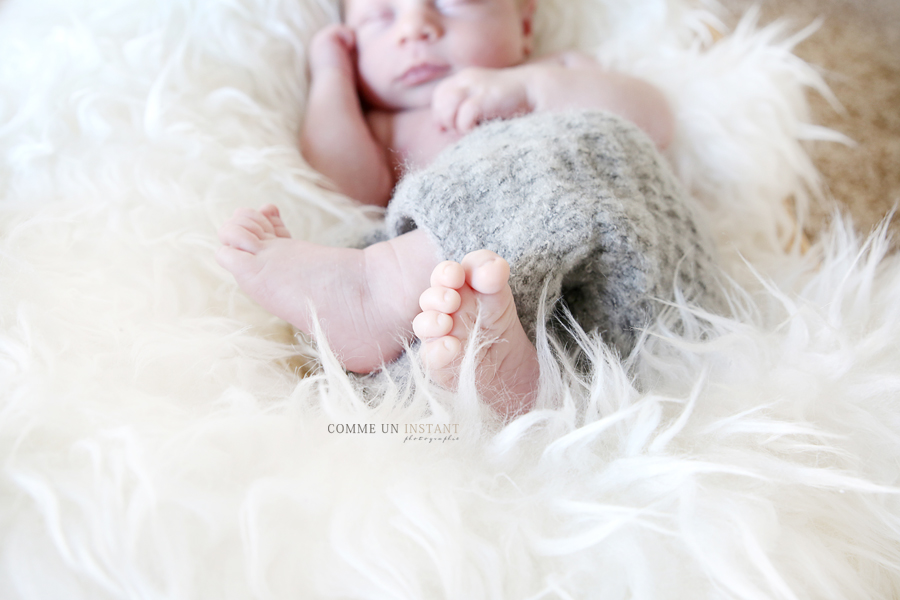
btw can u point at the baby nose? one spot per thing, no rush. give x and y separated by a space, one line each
418 24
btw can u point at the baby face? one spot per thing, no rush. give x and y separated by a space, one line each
406 47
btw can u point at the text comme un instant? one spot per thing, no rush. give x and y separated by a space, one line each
409 429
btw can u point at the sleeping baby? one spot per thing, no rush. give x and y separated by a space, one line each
513 181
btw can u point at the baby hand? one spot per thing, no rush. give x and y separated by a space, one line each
475 95
333 46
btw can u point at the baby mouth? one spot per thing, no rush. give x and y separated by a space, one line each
423 73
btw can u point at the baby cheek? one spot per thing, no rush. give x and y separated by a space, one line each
372 68
494 51
372 86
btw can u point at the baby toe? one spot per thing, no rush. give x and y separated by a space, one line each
441 352
276 225
441 299
486 271
432 324
448 274
270 211
237 235
261 223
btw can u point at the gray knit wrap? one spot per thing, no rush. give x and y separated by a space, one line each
581 203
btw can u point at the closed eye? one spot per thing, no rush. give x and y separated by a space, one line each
449 5
379 16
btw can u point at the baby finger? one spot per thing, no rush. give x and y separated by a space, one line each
469 115
445 103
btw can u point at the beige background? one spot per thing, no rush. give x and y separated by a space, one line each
858 51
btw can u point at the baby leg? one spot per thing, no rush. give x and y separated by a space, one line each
461 294
583 208
364 300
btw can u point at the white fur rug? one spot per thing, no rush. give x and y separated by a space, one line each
157 438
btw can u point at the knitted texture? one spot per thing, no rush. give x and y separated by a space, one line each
580 203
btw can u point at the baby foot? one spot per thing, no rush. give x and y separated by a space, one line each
460 293
364 300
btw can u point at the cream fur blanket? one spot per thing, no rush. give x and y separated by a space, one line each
157 437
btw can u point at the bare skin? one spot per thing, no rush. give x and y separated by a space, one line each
461 294
402 79
367 300
364 300
390 88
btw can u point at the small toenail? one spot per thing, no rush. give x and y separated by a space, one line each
448 345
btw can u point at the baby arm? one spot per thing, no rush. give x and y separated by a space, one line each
336 139
570 80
